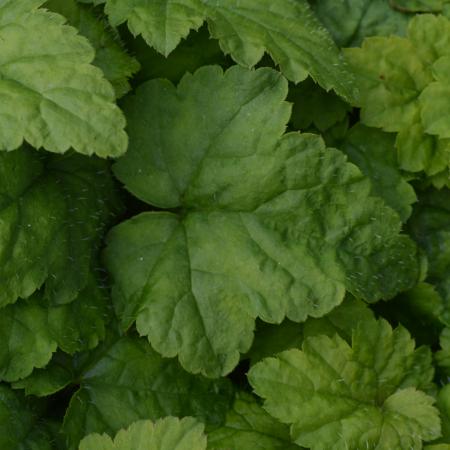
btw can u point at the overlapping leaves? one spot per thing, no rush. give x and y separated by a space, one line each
286 29
404 85
268 225
51 94
364 396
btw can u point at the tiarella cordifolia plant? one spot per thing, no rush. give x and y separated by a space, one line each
224 224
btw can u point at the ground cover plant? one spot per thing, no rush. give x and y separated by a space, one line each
224 225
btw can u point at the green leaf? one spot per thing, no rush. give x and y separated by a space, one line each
169 433
435 112
129 381
391 76
271 339
373 152
443 404
404 83
350 21
247 427
418 5
443 355
196 51
20 424
31 330
421 310
53 211
26 341
52 97
341 397
287 30
430 227
80 325
110 55
270 226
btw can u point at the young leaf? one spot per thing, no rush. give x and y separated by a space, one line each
110 55
341 397
287 30
52 97
404 83
248 426
169 433
443 355
196 51
53 211
270 225
129 381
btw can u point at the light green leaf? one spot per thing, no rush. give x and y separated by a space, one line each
373 152
287 30
20 424
52 97
404 84
417 151
129 381
110 55
53 211
350 21
249 427
169 433
271 226
340 397
435 112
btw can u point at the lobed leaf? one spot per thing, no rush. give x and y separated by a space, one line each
404 83
341 397
269 225
52 96
110 54
287 30
169 433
